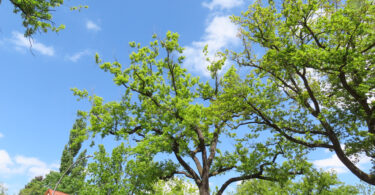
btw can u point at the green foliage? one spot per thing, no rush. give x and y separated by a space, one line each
37 14
77 136
34 187
166 111
72 167
66 159
312 183
106 175
315 83
115 174
70 184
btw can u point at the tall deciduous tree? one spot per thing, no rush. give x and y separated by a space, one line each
72 166
319 63
176 124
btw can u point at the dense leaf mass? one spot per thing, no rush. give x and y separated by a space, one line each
312 87
319 66
167 111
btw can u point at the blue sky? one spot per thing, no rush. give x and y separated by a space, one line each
37 108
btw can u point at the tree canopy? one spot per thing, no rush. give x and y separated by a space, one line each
317 82
171 121
312 87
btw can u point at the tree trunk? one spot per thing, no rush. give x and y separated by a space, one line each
204 188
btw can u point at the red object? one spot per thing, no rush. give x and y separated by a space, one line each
50 192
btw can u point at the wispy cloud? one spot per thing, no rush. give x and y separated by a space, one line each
333 163
1 135
76 56
21 43
90 25
23 165
219 34
222 4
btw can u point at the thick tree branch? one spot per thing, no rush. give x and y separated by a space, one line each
242 178
183 163
213 145
316 39
294 89
344 158
368 48
196 161
149 95
176 172
202 148
221 170
361 100
171 71
316 111
304 132
290 138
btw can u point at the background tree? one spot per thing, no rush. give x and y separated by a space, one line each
74 145
72 167
167 112
317 76
34 187
114 174
107 174
312 183
73 163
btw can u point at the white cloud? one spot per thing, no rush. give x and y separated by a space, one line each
222 4
75 57
29 161
21 43
333 163
90 25
29 166
5 162
38 171
1 135
219 34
